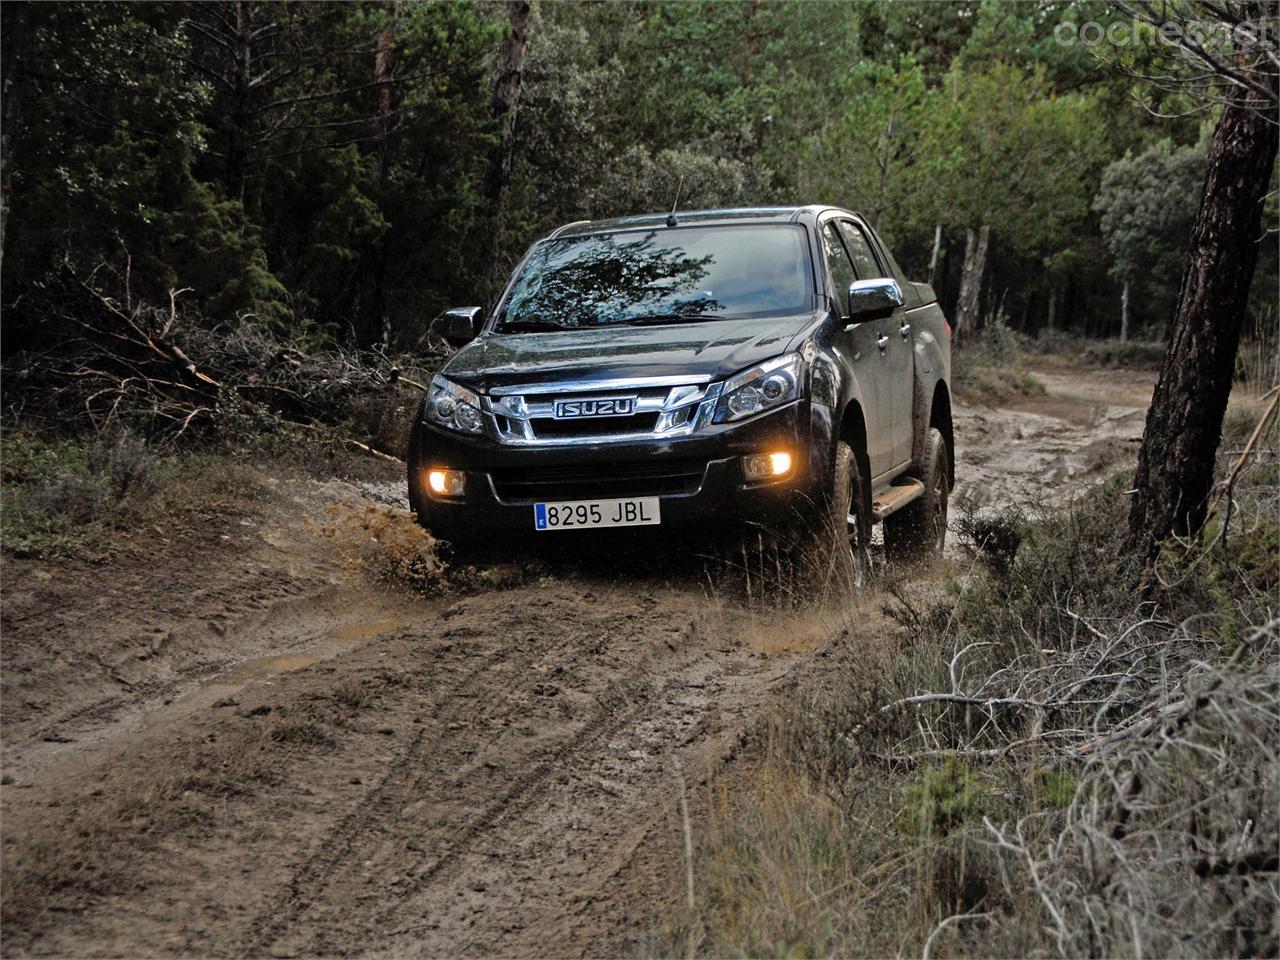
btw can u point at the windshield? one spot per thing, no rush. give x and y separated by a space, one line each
671 275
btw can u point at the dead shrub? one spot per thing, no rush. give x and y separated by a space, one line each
1039 762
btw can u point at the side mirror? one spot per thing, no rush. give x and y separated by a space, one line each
873 299
459 325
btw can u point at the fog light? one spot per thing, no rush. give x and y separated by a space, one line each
765 466
447 483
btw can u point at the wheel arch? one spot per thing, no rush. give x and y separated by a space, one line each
940 417
853 431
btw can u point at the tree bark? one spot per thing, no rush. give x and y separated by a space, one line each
14 36
1184 424
975 264
752 39
382 77
1124 312
241 74
1053 304
933 257
506 107
506 97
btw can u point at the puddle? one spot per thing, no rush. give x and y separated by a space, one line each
363 631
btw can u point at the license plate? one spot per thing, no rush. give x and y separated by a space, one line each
588 514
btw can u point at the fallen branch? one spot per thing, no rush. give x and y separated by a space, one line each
374 453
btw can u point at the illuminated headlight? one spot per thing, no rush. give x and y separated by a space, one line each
763 387
447 483
766 466
452 406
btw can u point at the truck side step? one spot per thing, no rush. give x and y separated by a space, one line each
896 497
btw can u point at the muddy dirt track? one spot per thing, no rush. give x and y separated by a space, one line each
252 743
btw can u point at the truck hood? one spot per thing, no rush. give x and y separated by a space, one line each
710 348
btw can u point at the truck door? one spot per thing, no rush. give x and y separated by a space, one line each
899 369
868 360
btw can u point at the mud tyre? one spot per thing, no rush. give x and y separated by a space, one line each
918 532
843 535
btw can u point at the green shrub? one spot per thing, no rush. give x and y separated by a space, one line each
943 799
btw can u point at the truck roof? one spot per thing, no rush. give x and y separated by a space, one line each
710 217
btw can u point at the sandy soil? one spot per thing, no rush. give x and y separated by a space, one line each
253 744
1042 449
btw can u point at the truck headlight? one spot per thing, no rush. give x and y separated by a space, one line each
763 387
453 407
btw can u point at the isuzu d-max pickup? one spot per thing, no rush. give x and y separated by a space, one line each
693 371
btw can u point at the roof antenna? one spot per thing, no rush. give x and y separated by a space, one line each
671 217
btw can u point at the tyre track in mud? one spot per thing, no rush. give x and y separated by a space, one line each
314 874
507 788
376 839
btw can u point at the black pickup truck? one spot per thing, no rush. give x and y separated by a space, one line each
694 371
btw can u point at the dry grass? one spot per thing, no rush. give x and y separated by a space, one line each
1034 762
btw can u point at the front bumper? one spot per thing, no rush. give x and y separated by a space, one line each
698 478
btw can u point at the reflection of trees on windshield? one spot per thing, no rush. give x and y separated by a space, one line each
601 280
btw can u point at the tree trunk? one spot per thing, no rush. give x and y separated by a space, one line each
975 263
1184 424
13 67
752 39
506 97
1124 312
933 257
238 145
1053 305
506 105
382 77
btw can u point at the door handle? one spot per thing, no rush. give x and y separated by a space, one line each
882 341
905 329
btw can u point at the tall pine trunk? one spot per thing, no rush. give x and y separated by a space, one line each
506 107
15 38
933 257
241 92
1184 425
1124 312
382 78
975 265
506 97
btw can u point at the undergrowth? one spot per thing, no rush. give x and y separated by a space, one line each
1034 760
72 498
992 369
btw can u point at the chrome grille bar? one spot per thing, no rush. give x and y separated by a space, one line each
683 404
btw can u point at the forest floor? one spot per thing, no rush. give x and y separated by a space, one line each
274 735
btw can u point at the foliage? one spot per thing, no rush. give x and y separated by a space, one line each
283 182
941 800
1036 763
1147 203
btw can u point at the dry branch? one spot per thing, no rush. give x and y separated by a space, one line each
117 359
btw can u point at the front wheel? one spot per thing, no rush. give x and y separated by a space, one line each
848 522
919 530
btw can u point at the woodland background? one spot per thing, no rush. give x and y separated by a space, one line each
337 174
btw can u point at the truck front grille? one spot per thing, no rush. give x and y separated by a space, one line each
614 426
599 481
657 408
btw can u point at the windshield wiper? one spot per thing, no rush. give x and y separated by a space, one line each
530 326
648 319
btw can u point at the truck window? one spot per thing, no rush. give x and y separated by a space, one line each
838 265
677 274
864 260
